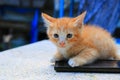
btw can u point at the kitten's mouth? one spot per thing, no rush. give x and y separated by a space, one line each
62 46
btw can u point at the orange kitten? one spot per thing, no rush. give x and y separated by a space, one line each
81 44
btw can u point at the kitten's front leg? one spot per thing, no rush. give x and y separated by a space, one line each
86 56
57 57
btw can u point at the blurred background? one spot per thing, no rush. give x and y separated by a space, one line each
21 22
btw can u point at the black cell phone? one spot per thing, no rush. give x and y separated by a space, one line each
99 66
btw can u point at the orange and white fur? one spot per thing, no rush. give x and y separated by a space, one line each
80 44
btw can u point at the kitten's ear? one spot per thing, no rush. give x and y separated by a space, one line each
48 20
78 21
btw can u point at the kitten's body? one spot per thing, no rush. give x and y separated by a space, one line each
87 43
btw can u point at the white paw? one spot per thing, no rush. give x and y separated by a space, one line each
73 63
54 59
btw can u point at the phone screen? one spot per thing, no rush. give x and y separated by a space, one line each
97 66
98 63
105 64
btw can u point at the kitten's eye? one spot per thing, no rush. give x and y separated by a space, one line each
56 35
69 35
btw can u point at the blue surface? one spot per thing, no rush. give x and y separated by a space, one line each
117 40
61 12
34 27
71 8
104 13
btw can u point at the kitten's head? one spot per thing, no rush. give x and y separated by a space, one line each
64 32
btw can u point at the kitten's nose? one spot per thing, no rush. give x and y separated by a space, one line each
62 43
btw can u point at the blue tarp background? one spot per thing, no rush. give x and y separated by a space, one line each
104 13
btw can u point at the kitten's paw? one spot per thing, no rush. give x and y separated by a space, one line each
73 63
53 60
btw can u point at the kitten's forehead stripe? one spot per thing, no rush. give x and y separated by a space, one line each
62 28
